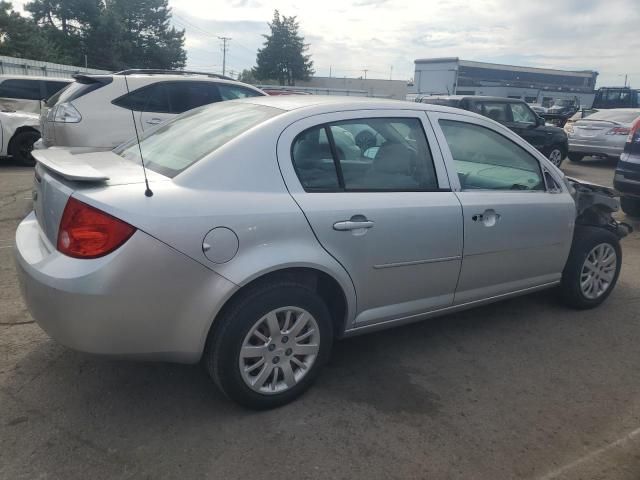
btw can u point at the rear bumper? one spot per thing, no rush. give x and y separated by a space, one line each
591 149
627 178
144 300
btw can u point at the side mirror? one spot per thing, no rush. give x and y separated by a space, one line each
371 152
540 121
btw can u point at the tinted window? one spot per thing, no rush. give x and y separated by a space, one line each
486 160
152 98
190 137
185 96
52 87
232 92
380 154
23 89
522 114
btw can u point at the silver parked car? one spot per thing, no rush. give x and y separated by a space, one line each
264 237
602 134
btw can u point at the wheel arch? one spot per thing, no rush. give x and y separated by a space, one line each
25 128
339 300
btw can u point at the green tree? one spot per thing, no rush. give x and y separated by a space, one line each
247 76
114 34
283 56
21 37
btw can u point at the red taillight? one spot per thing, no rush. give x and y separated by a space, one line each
618 131
635 129
86 232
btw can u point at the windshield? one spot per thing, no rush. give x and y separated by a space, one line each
191 136
621 116
563 103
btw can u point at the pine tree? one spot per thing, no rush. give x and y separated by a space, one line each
283 56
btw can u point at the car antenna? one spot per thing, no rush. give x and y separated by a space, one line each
147 192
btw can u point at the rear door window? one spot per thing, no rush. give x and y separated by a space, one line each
152 98
185 96
21 89
371 154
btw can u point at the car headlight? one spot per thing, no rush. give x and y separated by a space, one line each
66 113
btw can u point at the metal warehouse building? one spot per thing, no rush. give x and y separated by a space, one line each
442 76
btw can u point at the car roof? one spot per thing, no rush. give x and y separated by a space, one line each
34 77
476 97
316 104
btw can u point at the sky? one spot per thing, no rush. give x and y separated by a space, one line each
384 37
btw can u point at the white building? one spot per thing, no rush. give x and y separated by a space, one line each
449 76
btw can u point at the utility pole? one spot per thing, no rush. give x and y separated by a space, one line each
391 73
330 66
365 70
224 53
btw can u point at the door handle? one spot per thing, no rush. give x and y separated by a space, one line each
488 218
154 121
352 224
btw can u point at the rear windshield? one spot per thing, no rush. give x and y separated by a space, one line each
193 135
75 90
622 116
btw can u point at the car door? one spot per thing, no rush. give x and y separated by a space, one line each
384 210
517 232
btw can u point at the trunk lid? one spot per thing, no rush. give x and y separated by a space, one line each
591 129
59 173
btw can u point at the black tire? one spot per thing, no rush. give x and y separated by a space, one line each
630 206
22 145
585 239
575 157
556 155
222 352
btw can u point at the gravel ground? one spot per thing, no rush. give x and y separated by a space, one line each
521 389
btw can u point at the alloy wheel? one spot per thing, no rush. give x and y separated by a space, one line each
598 271
556 157
279 350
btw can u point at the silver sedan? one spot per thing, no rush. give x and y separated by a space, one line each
268 230
602 134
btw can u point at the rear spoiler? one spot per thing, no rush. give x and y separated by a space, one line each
89 79
64 164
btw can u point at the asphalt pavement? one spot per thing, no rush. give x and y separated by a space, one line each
523 389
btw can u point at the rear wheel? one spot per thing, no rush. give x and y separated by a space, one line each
575 157
22 146
270 345
630 206
593 267
556 155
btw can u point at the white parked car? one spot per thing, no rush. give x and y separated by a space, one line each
23 93
94 112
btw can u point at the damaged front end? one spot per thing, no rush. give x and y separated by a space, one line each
595 206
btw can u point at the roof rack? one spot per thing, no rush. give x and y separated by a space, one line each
157 71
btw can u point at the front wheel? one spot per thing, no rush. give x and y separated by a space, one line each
592 268
556 155
270 345
575 157
630 206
